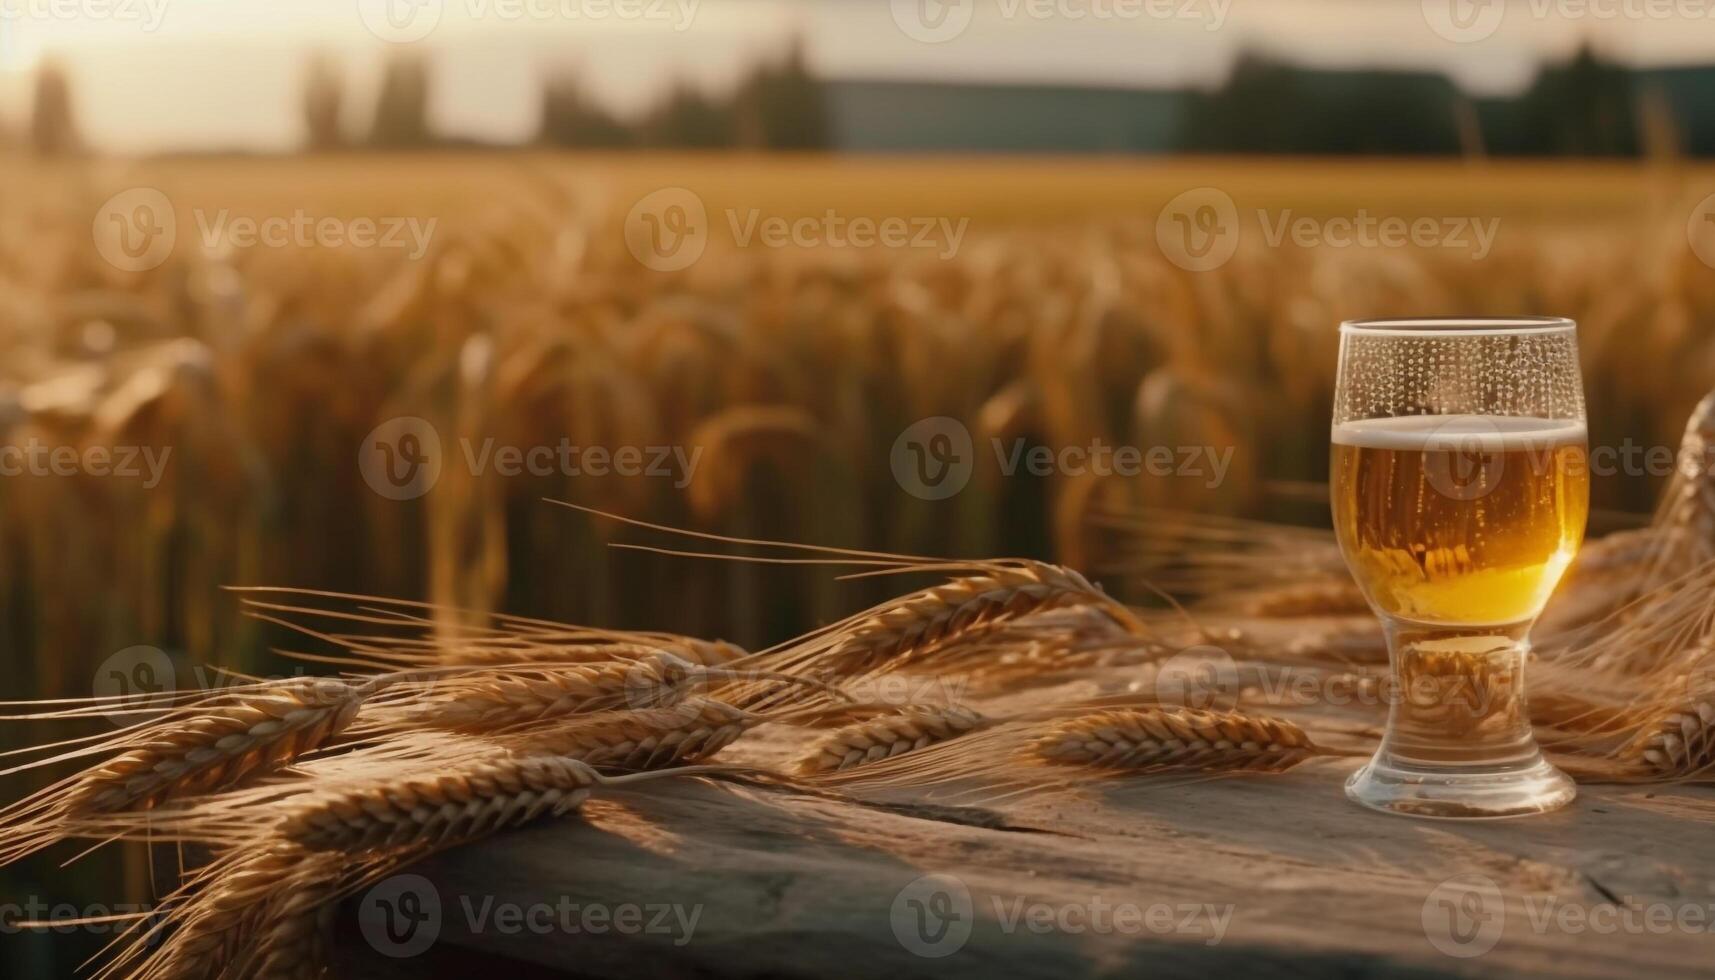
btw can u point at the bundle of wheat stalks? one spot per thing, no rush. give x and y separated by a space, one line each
442 729
302 790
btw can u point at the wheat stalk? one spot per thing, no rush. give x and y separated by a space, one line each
191 755
1334 597
509 698
1686 517
887 736
531 650
1176 738
916 624
238 907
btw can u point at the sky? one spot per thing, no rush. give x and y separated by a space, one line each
154 75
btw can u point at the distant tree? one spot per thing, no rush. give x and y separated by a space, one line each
1583 108
324 96
1252 113
688 118
569 119
402 108
782 106
1268 107
53 125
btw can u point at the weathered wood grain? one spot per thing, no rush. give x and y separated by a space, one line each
794 885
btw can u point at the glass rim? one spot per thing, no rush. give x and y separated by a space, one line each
1452 326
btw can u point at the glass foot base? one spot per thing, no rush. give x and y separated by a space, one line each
1385 785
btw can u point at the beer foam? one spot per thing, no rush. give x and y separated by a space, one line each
1480 433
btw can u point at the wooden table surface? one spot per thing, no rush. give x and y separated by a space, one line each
1270 875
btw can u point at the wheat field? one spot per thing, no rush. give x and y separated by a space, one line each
792 370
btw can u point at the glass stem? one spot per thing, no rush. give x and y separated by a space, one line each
1458 700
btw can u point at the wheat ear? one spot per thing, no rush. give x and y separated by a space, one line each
689 732
192 755
502 698
1678 744
464 803
889 735
1176 738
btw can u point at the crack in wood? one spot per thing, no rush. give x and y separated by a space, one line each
962 816
1604 890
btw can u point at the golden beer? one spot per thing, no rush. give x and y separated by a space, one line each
1460 519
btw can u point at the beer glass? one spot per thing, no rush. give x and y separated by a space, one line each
1460 485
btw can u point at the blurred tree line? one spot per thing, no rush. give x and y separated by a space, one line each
1585 106
778 106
